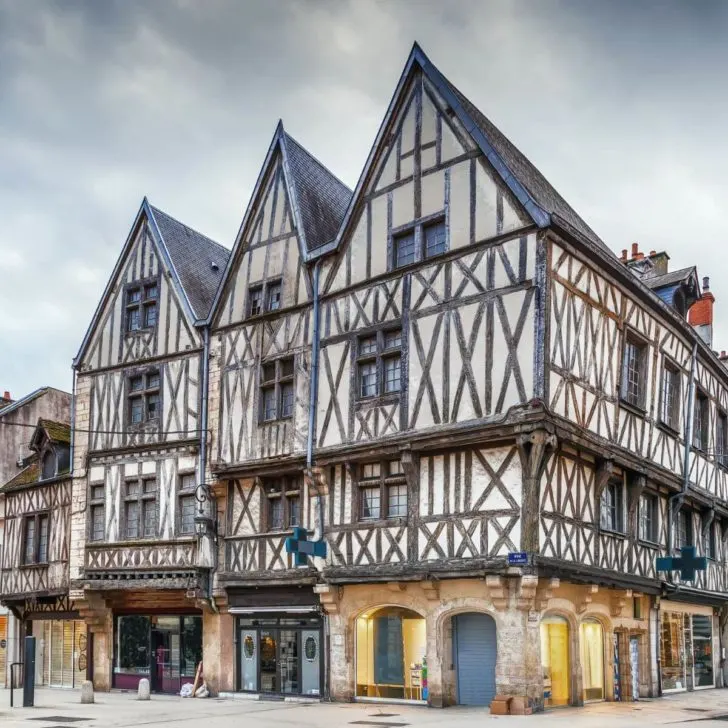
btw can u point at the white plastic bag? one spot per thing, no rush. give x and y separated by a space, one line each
186 691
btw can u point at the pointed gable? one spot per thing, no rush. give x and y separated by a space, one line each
296 208
163 256
437 156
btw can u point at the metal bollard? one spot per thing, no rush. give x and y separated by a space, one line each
29 673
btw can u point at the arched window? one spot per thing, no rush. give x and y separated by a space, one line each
49 465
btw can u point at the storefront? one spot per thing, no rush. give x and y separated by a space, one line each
279 637
164 648
61 656
591 639
555 660
3 648
390 655
687 654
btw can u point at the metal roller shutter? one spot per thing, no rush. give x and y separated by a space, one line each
475 647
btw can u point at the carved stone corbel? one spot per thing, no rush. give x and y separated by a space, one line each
431 590
587 598
534 449
546 590
329 596
618 603
497 591
527 589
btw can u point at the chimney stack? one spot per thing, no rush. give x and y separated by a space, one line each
700 315
6 396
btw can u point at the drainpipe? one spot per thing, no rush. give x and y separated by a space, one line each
675 501
202 462
73 419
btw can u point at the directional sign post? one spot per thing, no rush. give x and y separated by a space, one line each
687 563
302 548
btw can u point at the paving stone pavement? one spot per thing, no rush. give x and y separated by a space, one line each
122 710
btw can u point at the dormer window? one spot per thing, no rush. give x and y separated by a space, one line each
141 306
48 465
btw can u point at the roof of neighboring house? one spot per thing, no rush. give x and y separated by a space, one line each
322 198
669 279
29 474
198 260
18 403
59 432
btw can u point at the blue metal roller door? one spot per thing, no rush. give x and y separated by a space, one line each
475 656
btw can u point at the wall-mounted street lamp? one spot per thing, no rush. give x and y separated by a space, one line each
204 524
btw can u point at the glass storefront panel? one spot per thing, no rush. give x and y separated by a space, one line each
703 650
592 659
280 655
390 651
555 660
672 651
164 649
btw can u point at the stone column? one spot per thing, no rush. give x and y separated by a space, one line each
218 651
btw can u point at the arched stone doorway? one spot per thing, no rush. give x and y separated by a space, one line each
591 638
474 657
390 654
555 660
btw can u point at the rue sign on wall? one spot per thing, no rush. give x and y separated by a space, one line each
518 558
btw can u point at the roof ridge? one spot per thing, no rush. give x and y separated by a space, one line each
185 225
316 160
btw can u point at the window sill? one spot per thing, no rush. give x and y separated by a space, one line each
383 522
377 399
612 532
634 408
649 544
669 429
39 565
139 332
273 421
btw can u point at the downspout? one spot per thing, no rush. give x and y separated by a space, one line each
73 419
312 404
676 499
202 462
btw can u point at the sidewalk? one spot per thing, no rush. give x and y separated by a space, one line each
54 708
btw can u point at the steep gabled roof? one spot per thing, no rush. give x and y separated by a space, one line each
57 432
198 260
540 200
319 200
322 197
675 276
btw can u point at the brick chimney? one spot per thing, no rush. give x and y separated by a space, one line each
6 398
659 261
700 315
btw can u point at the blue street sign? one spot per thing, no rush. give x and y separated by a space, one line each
519 558
687 563
299 545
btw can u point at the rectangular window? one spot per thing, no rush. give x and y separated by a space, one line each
97 513
721 439
709 542
700 421
634 365
404 249
141 306
670 405
648 517
187 503
284 502
264 297
30 540
140 509
143 397
382 490
43 523
379 363
277 395
684 528
611 507
435 238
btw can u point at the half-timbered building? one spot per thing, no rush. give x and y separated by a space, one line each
26 592
494 423
139 574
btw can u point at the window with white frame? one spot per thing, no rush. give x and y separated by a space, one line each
382 490
379 363
612 506
648 517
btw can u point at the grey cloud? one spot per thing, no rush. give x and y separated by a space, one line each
620 104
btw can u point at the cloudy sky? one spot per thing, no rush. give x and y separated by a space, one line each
621 104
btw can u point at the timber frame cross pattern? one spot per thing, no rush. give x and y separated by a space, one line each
687 563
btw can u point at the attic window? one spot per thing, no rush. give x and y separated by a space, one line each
679 303
141 306
48 469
